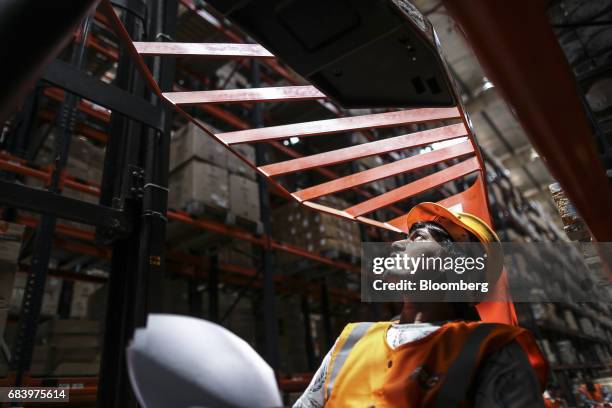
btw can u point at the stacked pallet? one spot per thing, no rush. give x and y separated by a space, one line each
81 294
207 179
241 319
51 295
85 163
237 252
68 348
573 225
516 219
316 232
572 337
85 159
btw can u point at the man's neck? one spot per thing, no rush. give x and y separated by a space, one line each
427 312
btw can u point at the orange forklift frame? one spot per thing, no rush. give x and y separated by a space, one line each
473 199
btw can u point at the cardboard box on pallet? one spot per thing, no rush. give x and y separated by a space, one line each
11 236
238 253
241 320
317 232
85 159
191 142
244 198
197 182
71 346
50 296
80 298
54 327
239 167
334 248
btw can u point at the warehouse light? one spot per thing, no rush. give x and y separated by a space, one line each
291 141
446 143
486 85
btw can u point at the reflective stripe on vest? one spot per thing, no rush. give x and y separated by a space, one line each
459 375
355 335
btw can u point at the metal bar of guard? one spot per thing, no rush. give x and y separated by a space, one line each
473 199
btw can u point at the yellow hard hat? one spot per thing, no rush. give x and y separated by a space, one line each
457 224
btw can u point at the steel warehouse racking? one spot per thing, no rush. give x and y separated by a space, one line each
132 216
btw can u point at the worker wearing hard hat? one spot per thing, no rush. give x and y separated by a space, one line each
436 354
594 395
552 397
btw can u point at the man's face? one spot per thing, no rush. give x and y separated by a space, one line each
419 243
426 244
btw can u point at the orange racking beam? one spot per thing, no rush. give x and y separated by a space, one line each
183 258
80 128
18 165
58 94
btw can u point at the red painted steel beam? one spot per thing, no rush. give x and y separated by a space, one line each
17 165
234 232
416 187
392 144
81 248
270 94
105 253
387 170
350 123
7 163
196 266
80 128
103 48
58 94
521 55
292 249
61 229
204 50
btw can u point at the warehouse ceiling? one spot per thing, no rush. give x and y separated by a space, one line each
497 130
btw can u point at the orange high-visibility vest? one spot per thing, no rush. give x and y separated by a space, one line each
550 402
596 395
364 371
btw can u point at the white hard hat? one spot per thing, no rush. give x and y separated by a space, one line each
184 362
